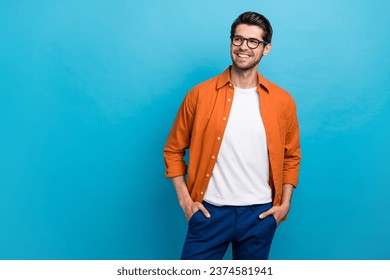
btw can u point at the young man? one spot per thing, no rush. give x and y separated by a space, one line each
242 134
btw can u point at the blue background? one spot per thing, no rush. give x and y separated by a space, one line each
89 90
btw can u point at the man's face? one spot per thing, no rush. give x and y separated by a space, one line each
243 57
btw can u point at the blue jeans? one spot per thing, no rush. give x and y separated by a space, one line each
209 238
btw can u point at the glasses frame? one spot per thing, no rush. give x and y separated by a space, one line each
247 41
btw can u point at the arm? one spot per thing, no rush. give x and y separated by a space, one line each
179 138
185 201
291 164
178 141
280 212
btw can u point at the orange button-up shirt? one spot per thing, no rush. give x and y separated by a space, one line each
200 124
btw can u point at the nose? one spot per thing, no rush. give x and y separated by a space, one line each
244 45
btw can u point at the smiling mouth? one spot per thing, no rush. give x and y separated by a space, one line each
243 55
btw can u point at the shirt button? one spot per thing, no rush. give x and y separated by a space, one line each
207 175
230 84
218 138
228 99
224 118
213 157
201 192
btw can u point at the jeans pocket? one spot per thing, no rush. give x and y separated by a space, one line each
274 221
193 217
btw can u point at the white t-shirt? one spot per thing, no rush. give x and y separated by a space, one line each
241 173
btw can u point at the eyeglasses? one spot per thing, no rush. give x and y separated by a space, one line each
252 43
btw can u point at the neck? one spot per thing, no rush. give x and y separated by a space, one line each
244 78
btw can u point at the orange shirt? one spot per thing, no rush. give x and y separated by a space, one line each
200 124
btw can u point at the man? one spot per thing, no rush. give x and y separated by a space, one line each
243 139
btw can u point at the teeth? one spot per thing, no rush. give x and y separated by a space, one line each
243 55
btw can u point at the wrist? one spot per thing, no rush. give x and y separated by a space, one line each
285 204
184 202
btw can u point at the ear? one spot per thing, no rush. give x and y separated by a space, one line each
267 49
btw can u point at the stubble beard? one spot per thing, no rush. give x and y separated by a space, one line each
247 67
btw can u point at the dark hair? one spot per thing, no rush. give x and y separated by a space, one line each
252 18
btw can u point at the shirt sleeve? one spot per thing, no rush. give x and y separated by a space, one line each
292 151
179 137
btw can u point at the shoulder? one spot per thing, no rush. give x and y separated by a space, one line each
279 91
204 90
279 94
282 101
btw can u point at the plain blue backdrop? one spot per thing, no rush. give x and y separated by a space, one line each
89 90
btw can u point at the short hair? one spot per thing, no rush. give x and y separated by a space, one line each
253 18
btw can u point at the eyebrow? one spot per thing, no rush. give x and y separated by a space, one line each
248 38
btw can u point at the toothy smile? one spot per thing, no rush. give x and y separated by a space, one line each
243 55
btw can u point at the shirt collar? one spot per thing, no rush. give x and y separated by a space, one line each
224 79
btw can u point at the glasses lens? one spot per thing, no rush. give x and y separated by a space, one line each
252 43
237 41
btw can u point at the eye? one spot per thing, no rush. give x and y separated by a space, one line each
237 39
